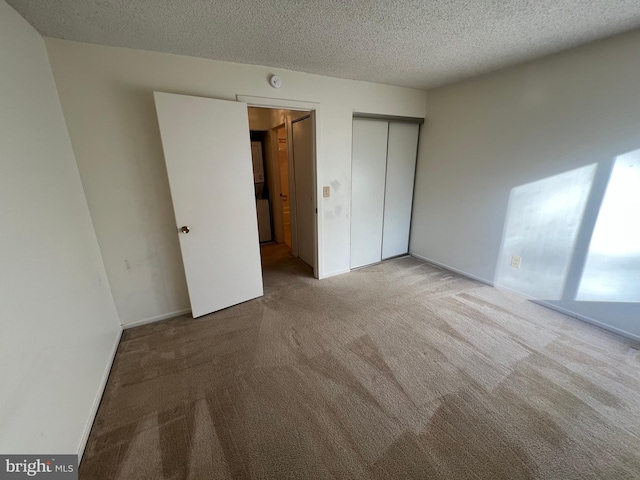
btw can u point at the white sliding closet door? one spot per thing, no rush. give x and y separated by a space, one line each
401 167
369 158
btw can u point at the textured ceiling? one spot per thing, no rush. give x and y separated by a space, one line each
415 43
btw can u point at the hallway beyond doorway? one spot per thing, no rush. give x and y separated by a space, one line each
283 151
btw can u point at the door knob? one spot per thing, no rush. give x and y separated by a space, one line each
184 229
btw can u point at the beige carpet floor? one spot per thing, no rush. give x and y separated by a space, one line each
399 371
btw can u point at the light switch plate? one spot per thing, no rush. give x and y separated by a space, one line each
326 192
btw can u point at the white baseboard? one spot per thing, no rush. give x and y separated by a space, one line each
333 274
96 403
564 311
459 272
590 320
164 316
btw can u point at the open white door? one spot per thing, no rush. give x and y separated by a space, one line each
208 155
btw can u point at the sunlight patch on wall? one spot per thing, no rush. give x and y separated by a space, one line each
612 268
542 224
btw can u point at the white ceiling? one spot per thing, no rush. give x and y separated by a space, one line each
414 43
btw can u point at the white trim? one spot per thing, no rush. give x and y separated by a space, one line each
590 320
562 310
334 274
96 402
447 267
268 102
313 107
164 316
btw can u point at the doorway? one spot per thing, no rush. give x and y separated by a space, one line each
215 197
283 151
283 162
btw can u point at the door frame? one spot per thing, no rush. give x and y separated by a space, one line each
314 109
278 214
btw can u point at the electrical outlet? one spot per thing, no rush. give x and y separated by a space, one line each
326 192
516 261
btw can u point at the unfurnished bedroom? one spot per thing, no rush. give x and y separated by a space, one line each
316 240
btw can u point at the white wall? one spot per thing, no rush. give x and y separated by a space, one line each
107 98
489 138
58 322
